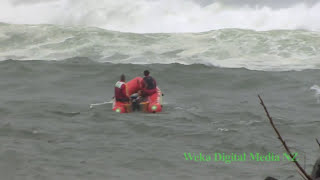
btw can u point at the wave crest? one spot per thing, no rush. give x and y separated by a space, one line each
232 48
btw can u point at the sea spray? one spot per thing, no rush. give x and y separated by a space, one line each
160 16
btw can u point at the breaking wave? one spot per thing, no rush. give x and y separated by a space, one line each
160 16
231 48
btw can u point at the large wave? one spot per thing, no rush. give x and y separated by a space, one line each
146 16
232 48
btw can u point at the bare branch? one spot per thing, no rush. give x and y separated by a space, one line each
318 142
302 175
282 141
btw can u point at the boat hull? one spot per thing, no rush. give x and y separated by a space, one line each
150 104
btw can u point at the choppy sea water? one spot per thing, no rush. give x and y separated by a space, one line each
48 131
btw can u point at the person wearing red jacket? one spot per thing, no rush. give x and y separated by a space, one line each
120 90
149 84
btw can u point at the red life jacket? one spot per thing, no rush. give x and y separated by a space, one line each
118 91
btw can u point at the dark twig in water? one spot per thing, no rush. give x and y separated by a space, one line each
318 142
302 175
282 141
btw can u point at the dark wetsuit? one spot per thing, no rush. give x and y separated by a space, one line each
149 86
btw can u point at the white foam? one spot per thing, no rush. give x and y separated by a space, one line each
230 48
316 88
145 16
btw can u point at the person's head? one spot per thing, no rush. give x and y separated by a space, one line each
146 73
122 77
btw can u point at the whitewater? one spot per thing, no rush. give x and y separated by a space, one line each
276 50
161 16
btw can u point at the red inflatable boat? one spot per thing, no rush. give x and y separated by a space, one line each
151 104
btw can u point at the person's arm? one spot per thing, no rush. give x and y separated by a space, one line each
124 90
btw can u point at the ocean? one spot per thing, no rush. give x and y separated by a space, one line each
52 70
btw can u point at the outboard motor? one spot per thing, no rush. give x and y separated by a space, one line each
135 102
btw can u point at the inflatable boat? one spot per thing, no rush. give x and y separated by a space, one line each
149 104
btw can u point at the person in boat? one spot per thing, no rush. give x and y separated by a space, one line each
120 90
148 85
